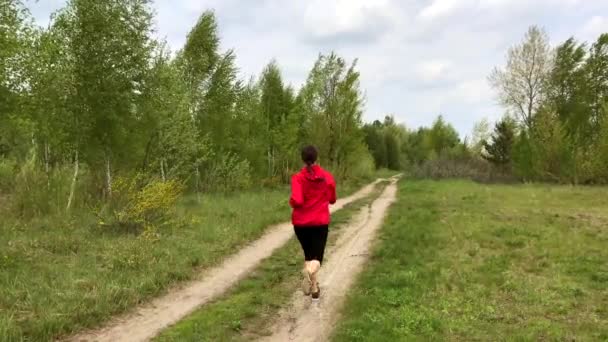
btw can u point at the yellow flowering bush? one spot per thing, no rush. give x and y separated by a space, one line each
141 204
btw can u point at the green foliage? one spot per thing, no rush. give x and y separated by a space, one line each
16 41
138 203
431 143
104 96
596 159
280 125
110 72
498 151
441 137
385 141
331 105
200 53
228 173
521 84
376 144
523 157
564 125
481 132
215 113
7 174
36 193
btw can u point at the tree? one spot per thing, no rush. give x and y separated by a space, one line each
481 133
597 80
442 136
521 85
566 84
567 92
599 151
198 61
332 106
111 47
392 151
376 144
215 112
553 154
498 151
200 53
276 103
16 38
174 146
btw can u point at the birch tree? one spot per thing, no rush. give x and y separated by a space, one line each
521 83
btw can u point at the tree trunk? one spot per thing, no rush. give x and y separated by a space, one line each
147 153
108 175
576 160
47 152
162 170
269 154
73 185
47 167
198 182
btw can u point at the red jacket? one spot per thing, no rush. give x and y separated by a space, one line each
311 195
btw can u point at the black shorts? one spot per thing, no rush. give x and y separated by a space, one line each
312 240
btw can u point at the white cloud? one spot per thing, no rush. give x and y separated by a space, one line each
440 8
324 19
432 70
594 27
472 92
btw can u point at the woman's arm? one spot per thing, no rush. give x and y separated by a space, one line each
331 188
297 198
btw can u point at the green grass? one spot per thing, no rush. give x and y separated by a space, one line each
460 261
247 310
59 275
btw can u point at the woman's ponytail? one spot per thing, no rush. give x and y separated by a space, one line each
309 157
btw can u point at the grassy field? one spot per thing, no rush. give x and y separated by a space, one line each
55 279
248 309
59 274
461 261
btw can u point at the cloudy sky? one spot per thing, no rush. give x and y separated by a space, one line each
418 58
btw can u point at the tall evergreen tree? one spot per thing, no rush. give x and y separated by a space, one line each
498 150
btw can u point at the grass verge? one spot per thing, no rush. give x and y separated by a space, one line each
460 261
247 310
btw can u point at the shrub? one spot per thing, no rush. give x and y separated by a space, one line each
7 175
227 173
470 168
364 166
37 193
138 203
274 182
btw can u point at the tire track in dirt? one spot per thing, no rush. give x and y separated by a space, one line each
150 319
304 320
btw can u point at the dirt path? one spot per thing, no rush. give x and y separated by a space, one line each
150 319
304 320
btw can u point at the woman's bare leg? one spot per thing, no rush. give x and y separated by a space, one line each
307 281
313 270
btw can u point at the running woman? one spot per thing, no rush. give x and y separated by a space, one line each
312 191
